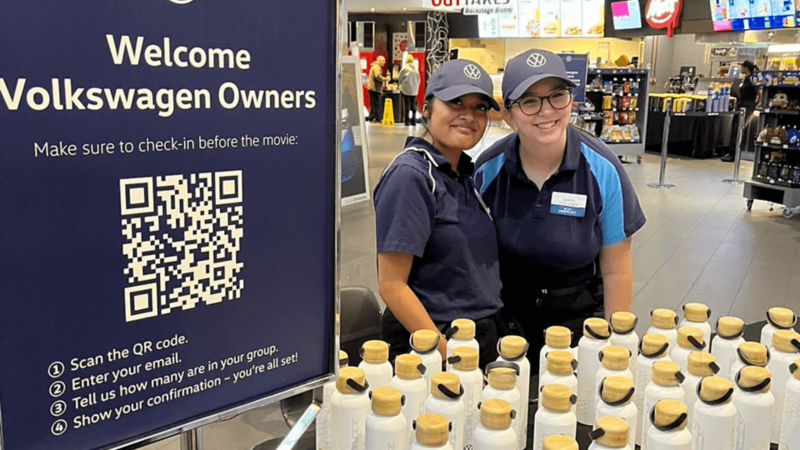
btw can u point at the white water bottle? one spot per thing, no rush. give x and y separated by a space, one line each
725 343
555 338
700 365
445 400
502 377
668 420
785 349
561 367
790 430
689 340
560 442
696 315
514 349
494 431
777 319
623 326
654 348
461 334
408 379
386 427
596 333
464 363
616 400
754 403
714 421
431 432
613 363
425 344
375 363
554 415
666 385
350 407
663 321
610 433
323 426
750 354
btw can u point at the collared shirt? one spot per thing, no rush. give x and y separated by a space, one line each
548 243
425 208
748 92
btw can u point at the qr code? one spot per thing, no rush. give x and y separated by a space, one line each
183 234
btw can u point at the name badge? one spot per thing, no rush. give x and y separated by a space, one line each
563 204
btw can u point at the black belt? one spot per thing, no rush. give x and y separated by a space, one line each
562 292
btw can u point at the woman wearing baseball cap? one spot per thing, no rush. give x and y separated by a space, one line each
437 245
564 208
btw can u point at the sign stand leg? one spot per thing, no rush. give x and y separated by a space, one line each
738 155
192 440
664 146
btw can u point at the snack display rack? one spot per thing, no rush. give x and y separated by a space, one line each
776 167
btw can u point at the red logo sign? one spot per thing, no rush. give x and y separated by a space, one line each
664 14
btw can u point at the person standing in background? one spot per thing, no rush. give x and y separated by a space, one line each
749 98
375 88
409 87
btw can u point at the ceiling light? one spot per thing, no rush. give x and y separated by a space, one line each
783 48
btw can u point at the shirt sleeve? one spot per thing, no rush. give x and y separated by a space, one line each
622 215
405 209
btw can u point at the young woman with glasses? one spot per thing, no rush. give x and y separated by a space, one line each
564 208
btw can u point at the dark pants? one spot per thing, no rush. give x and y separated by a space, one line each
375 106
410 104
396 335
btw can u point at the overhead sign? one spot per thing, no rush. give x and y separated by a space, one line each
167 236
664 14
627 15
537 18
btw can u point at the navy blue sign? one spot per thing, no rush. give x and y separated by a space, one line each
167 183
577 65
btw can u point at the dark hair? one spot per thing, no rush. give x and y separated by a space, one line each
750 66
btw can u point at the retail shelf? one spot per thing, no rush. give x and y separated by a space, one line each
783 112
624 141
773 185
777 147
705 114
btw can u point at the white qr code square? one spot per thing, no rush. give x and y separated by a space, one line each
182 240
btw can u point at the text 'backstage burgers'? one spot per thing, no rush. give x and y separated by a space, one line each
66 94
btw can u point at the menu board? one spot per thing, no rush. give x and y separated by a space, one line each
540 18
627 15
740 15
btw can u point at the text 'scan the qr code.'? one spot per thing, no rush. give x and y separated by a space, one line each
182 236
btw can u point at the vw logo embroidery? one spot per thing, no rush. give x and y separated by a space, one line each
537 60
181 2
472 71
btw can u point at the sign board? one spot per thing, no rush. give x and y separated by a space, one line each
167 237
663 14
577 67
627 15
536 18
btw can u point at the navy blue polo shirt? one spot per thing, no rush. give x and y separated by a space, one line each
425 208
544 245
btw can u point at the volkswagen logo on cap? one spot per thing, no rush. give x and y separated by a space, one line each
472 71
181 2
537 60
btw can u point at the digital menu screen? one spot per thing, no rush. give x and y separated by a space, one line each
540 18
741 15
627 15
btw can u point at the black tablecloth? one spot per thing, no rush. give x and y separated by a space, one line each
697 137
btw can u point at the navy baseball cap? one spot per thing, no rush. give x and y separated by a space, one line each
527 69
460 77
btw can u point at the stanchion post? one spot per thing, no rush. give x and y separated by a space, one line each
192 440
664 148
738 149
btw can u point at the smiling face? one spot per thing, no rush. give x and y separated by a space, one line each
458 124
548 127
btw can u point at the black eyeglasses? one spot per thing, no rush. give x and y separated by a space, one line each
531 105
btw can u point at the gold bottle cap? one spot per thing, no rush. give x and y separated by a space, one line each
754 352
408 367
387 401
781 317
448 381
502 378
375 352
344 360
466 329
423 341
665 319
496 414
614 357
623 322
696 312
464 358
432 430
754 379
596 328
795 368
786 341
654 345
559 442
617 389
614 434
557 337
558 398
716 390
691 338
667 373
730 327
702 364
512 347
358 378
669 411
560 362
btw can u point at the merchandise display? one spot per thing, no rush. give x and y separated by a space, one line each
616 400
461 334
431 432
596 333
696 315
613 363
610 433
664 321
725 343
790 428
375 363
623 334
514 349
555 415
409 380
714 419
446 400
700 365
621 95
754 403
751 354
494 430
690 339
653 348
464 363
386 426
669 427
561 368
785 350
665 385
777 319
425 344
555 338
350 406
323 427
502 385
